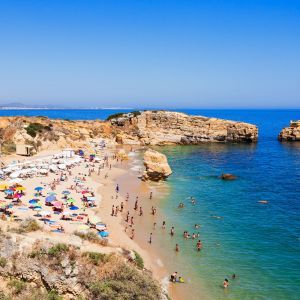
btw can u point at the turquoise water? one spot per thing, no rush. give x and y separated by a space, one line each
259 243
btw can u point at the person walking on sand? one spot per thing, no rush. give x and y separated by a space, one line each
150 197
177 248
136 205
113 211
117 188
132 234
122 207
127 217
141 211
131 222
117 210
150 238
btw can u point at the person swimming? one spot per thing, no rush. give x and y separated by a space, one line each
226 283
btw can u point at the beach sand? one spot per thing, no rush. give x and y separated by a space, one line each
126 174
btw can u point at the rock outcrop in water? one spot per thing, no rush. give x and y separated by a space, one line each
165 127
291 133
157 167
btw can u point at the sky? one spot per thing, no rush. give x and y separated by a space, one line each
151 53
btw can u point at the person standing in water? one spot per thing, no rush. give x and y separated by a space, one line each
172 231
225 283
199 245
177 248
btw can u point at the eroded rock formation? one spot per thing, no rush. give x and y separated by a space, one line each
165 127
291 133
157 167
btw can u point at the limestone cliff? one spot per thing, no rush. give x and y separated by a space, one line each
139 128
156 164
291 133
165 127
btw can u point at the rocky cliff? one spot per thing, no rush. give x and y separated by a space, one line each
139 128
156 166
291 133
165 127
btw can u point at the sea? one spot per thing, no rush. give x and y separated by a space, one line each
259 243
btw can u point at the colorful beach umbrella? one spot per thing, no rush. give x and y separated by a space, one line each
38 188
20 188
33 201
17 196
50 198
66 193
9 192
4 186
74 207
57 204
71 200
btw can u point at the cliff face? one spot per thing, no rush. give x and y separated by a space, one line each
46 133
291 133
164 127
140 128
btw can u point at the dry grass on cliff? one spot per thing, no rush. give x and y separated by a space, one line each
99 276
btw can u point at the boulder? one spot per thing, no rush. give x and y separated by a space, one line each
156 166
291 133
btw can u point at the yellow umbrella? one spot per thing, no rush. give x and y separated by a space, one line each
20 188
4 186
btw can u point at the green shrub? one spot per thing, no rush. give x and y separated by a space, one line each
138 260
3 262
97 258
4 297
53 295
8 147
27 225
17 286
57 249
33 128
114 116
92 237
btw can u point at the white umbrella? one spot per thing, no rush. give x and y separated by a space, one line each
45 213
43 171
62 166
15 180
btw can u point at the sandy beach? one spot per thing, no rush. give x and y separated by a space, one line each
99 179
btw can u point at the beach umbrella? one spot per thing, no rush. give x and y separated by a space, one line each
91 198
17 196
33 201
100 226
74 207
3 186
52 193
20 188
84 192
70 200
45 213
103 233
15 180
38 188
66 193
83 227
57 204
9 192
37 208
50 198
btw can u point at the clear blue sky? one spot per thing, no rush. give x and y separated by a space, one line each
155 53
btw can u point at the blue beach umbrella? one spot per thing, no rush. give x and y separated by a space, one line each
50 198
74 207
33 201
38 188
37 208
52 193
66 192
103 233
9 192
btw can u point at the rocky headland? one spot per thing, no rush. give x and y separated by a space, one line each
136 128
291 133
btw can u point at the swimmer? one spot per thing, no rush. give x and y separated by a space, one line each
177 248
197 226
199 245
225 283
180 205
